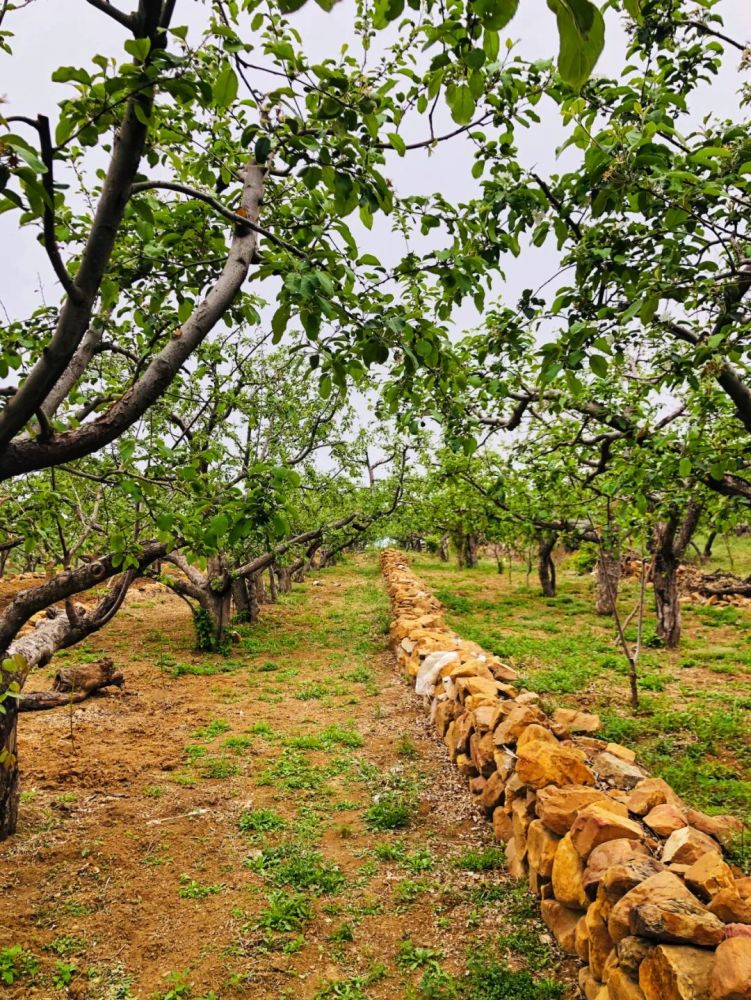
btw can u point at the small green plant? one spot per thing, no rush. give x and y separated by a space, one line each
405 747
420 860
238 743
220 767
412 956
16 964
390 811
63 974
190 889
179 986
211 730
285 911
260 821
481 859
299 867
343 934
354 988
268 667
407 891
394 851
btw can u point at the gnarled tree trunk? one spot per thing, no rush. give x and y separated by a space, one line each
608 577
669 542
443 548
545 564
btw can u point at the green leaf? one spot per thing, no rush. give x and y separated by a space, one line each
495 14
633 8
581 33
461 103
139 48
279 322
599 365
225 86
684 467
397 142
263 148
185 309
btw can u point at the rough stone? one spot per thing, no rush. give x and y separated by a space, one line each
663 887
622 878
562 922
541 763
534 731
614 852
665 819
557 807
632 951
502 826
567 721
707 876
582 939
568 872
730 907
541 848
722 828
510 729
687 845
730 978
600 941
676 920
492 793
516 864
622 987
588 985
598 823
650 793
617 771
620 751
676 972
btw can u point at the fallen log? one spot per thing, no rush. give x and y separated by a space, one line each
73 685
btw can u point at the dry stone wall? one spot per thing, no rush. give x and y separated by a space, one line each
631 880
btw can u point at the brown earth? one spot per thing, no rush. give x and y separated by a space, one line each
129 810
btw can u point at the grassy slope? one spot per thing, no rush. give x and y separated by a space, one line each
693 723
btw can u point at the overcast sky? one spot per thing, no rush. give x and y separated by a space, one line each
50 33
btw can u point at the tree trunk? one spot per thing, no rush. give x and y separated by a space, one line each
9 774
273 594
471 542
241 599
285 579
665 582
707 553
546 566
608 578
443 548
254 605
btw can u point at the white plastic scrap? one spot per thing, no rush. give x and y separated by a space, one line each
430 667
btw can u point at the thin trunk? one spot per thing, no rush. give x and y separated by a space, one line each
254 605
240 599
471 543
545 564
273 591
608 579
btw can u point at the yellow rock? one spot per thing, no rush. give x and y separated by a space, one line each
676 972
541 763
568 872
598 823
707 876
541 848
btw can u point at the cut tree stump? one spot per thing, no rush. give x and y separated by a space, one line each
72 685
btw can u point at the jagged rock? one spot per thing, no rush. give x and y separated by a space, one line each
502 826
588 985
561 921
582 939
614 852
534 731
622 878
622 987
557 807
492 793
620 751
737 930
481 749
665 819
676 972
632 951
541 763
722 828
650 793
568 872
730 978
730 907
598 823
687 845
676 920
600 941
617 771
661 888
510 729
568 722
541 848
707 876
517 866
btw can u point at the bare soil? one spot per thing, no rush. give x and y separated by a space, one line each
131 805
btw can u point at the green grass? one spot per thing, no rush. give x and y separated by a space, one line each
392 811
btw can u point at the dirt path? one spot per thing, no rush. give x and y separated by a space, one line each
280 824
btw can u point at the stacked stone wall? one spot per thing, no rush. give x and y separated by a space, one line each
630 879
